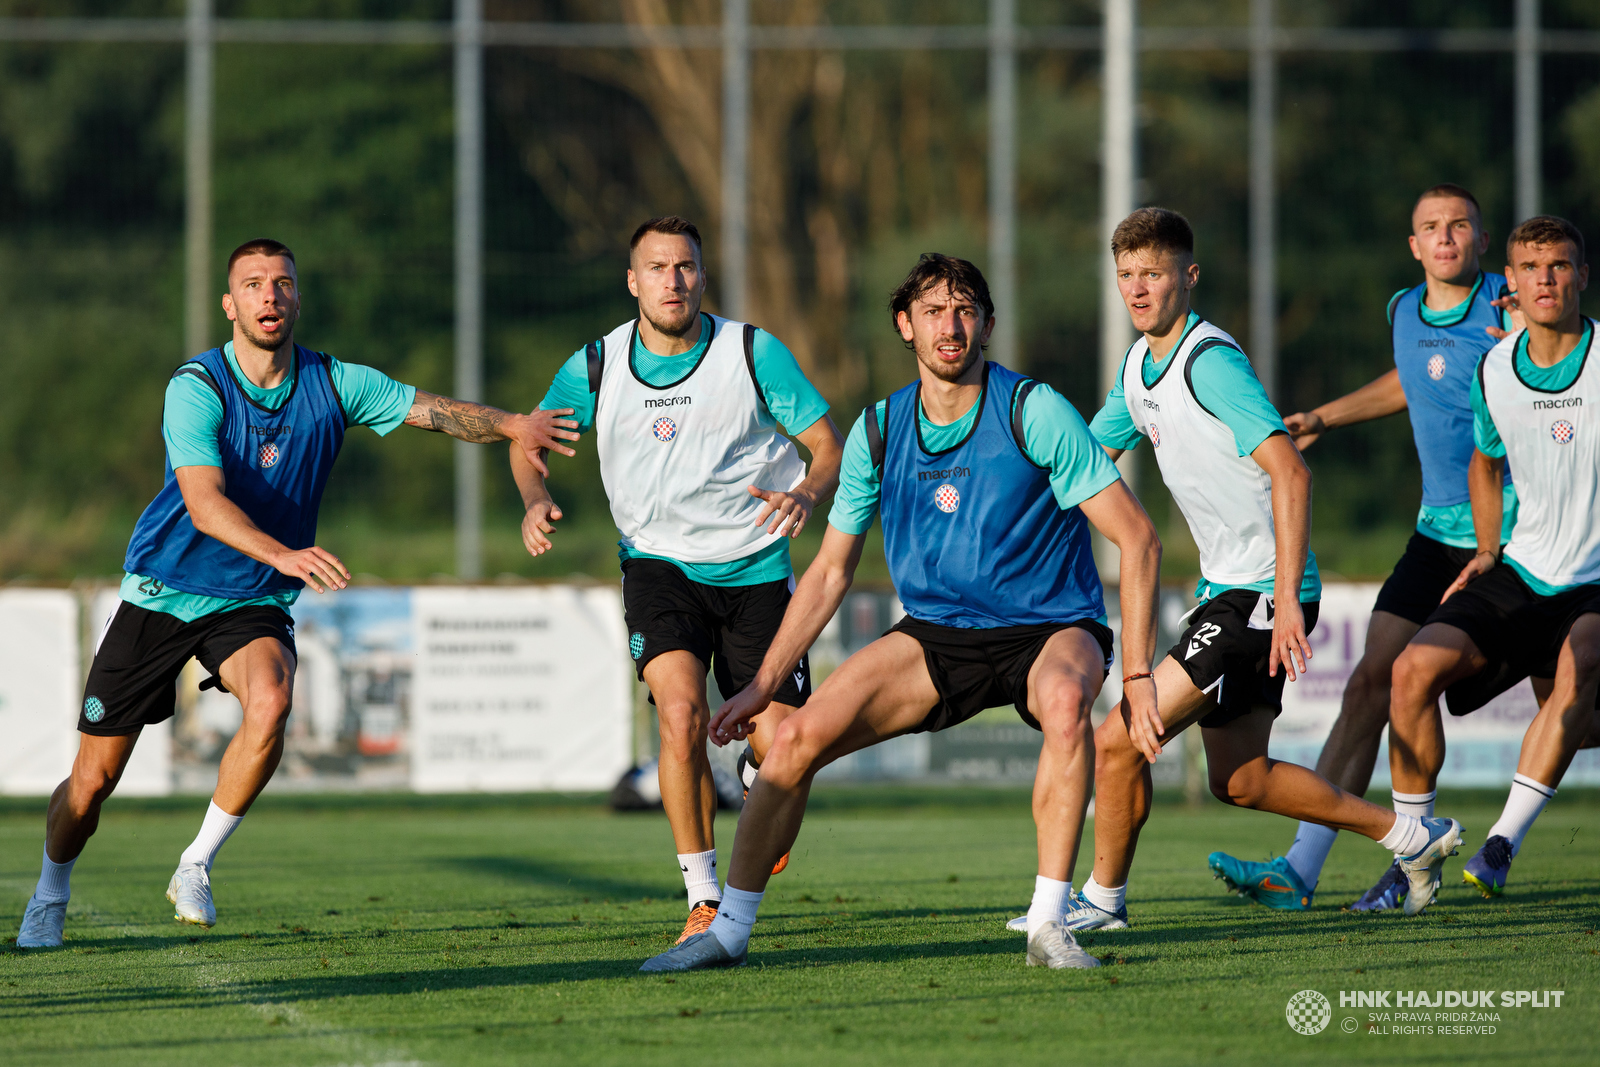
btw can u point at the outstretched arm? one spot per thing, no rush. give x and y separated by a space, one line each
1117 514
791 509
816 598
1378 398
214 515
535 434
1291 522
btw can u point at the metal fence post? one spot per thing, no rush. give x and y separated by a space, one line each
1003 343
1263 197
1526 44
469 278
735 156
198 306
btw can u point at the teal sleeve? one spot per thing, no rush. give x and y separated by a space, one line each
790 396
1059 440
1228 388
570 389
1484 434
370 397
860 485
1393 300
190 421
1113 425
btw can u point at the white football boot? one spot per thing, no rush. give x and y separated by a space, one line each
1052 945
42 924
190 893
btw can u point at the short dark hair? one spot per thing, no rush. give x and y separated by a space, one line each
1153 227
1449 189
934 269
672 225
1546 230
261 246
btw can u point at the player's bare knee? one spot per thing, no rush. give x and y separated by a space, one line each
1063 707
1411 683
683 728
267 709
796 748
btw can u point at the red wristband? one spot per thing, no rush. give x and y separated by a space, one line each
1135 677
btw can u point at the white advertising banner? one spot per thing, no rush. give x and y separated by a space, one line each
520 689
39 688
1480 749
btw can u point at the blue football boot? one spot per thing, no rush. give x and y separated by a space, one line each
1389 892
1275 884
1488 869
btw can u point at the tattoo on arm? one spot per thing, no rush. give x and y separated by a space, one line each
458 418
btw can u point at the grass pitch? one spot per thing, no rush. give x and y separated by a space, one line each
509 930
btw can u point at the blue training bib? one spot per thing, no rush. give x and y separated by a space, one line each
1436 365
974 536
275 465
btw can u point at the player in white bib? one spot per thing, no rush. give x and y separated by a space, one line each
1237 477
1439 330
706 493
1532 610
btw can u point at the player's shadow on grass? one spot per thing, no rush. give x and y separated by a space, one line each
524 871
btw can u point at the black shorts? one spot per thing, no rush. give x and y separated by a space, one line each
1517 630
1420 578
728 627
1226 651
133 679
977 669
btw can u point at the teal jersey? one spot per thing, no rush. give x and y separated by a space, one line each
1052 430
1448 317
190 421
1451 524
1225 385
790 396
1487 438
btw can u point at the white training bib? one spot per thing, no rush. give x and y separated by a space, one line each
1226 498
677 460
1553 449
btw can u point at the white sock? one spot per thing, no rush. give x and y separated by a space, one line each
1103 898
1526 801
214 830
55 880
735 916
1049 901
700 875
1418 804
751 769
1312 842
1406 837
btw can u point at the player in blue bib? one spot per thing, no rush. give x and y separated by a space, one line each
986 483
252 430
1441 330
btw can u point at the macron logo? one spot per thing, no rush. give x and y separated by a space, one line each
667 402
